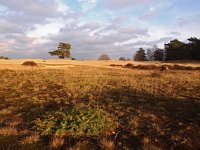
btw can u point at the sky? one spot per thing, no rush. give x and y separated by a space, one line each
32 28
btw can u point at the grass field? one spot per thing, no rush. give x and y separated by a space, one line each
79 105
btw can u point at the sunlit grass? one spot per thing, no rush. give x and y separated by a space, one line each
153 109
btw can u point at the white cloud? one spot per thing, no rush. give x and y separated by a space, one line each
42 8
51 28
31 28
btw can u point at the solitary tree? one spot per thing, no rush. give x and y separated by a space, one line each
140 55
104 57
122 59
63 51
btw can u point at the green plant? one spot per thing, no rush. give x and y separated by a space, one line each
78 121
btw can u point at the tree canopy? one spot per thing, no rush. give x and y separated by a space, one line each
122 59
140 55
174 50
104 57
63 51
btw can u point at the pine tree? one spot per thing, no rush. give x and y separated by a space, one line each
140 55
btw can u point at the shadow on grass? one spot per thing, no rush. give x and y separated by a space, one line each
165 122
146 120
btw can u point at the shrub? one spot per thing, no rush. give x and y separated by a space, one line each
115 65
164 68
129 65
146 67
197 68
190 68
29 63
75 122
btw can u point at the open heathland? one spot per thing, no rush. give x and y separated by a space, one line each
83 105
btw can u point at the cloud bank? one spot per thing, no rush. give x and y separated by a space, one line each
118 28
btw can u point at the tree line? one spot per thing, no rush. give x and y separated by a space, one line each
3 57
174 50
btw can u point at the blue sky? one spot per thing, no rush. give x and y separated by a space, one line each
31 28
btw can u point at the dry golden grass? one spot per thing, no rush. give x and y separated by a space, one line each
155 110
107 144
56 142
7 131
59 63
34 138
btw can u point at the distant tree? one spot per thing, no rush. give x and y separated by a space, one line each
63 51
128 59
140 55
158 54
174 50
122 58
104 57
150 54
73 58
194 47
2 57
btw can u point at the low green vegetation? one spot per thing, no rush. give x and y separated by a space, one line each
77 122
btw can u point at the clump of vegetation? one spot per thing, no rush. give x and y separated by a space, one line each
115 65
63 51
140 55
30 63
147 67
2 57
156 67
122 59
78 121
164 68
129 65
104 57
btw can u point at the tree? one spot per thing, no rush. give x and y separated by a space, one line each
140 55
104 57
194 47
150 54
174 50
122 58
159 54
63 51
